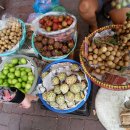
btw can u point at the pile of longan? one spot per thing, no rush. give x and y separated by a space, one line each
10 35
108 57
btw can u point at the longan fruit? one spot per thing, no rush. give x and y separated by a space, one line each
118 54
90 57
95 56
95 51
95 62
111 57
107 53
103 56
99 59
109 63
97 70
121 63
90 49
110 48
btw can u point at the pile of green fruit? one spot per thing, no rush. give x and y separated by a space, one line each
13 75
118 4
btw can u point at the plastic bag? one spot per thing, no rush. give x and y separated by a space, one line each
60 35
43 6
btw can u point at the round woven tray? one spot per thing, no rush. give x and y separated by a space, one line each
85 68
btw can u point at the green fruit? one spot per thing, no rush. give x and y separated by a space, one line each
23 84
2 76
28 86
12 69
17 68
5 71
30 82
22 68
124 4
30 73
6 68
128 1
10 65
23 61
20 80
23 73
9 81
113 3
28 70
25 78
17 73
11 75
118 6
14 61
18 85
31 78
26 91
5 84
1 81
14 81
6 65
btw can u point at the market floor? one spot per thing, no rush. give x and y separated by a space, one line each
14 118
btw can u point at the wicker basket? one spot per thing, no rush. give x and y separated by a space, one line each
85 68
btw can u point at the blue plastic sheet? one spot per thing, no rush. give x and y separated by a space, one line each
44 6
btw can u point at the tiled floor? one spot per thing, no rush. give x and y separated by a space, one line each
14 118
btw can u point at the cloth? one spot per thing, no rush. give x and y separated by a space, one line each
11 95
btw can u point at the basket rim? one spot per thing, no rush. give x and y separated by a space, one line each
94 79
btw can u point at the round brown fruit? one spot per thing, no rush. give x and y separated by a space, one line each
38 45
45 48
60 45
39 38
60 53
51 41
44 41
53 52
50 47
56 45
71 44
48 54
64 49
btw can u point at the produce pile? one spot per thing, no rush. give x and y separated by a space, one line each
69 87
118 4
54 23
10 35
124 32
111 52
105 57
48 47
14 75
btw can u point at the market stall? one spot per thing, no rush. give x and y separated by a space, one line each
64 85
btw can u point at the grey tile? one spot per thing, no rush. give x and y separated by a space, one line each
44 123
4 118
26 122
76 124
14 122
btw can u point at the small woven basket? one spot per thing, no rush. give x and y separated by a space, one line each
86 68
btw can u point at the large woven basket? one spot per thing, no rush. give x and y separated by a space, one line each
85 67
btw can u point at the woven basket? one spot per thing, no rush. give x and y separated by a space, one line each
85 68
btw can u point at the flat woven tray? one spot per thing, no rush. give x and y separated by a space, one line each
85 67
